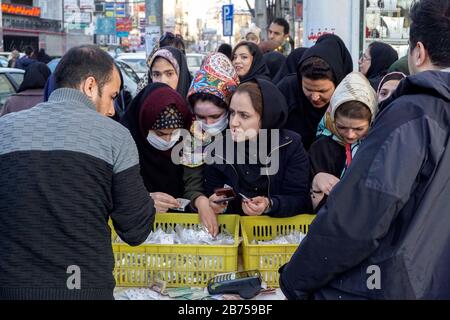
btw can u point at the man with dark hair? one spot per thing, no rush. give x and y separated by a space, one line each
26 60
278 31
66 170
383 233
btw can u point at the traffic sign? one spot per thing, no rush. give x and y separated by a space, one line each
227 20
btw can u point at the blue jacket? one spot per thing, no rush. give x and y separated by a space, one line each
389 217
288 189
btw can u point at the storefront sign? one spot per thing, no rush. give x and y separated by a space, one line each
21 10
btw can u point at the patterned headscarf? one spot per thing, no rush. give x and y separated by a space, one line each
216 76
166 54
169 118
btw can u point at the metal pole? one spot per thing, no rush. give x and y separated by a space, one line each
233 26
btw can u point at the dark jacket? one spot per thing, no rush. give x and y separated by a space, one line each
303 116
391 209
289 187
24 62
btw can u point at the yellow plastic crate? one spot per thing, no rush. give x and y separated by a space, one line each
269 258
178 265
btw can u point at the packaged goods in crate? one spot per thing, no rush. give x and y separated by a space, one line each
178 264
267 243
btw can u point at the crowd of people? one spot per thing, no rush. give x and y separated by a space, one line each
289 132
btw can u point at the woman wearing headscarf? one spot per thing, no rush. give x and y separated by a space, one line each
308 93
388 85
209 98
31 91
376 61
249 63
274 61
346 123
155 119
269 171
168 65
290 65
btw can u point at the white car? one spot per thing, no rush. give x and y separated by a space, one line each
194 62
137 61
10 81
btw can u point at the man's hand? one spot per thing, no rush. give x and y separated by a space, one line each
164 202
207 215
256 206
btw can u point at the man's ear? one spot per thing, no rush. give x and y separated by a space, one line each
421 55
88 87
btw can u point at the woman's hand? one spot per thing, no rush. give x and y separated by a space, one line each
256 206
218 208
207 215
164 202
324 183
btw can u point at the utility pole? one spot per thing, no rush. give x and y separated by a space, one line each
261 14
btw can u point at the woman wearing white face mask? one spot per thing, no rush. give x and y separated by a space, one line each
155 119
210 94
209 98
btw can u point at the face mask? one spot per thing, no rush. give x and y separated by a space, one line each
161 144
217 127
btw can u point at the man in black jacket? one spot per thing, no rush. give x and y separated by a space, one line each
383 233
66 169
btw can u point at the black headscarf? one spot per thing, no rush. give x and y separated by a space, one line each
36 76
304 118
184 78
291 64
274 61
382 57
258 69
275 113
43 57
159 173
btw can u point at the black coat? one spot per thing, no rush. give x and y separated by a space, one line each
391 209
289 186
304 118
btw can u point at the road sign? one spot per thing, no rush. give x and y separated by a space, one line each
227 20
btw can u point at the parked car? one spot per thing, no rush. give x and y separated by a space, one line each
137 61
194 62
10 81
3 62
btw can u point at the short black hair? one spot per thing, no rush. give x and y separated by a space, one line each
82 62
315 68
193 99
29 50
430 24
282 22
171 40
227 50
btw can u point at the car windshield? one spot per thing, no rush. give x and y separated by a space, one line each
138 65
194 61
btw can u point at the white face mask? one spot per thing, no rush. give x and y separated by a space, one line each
161 144
217 127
